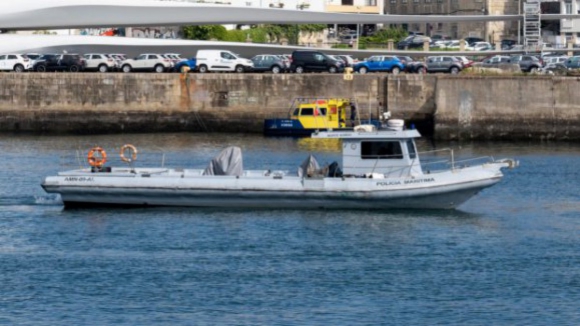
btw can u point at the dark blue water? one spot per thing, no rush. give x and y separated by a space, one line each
509 256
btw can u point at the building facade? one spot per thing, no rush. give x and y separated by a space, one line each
569 28
490 31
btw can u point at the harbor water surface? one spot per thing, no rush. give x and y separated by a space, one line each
509 256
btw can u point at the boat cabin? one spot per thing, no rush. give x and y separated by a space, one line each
390 153
321 113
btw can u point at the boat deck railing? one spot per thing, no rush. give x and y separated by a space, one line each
431 161
77 159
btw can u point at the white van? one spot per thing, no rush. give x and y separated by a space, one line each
221 60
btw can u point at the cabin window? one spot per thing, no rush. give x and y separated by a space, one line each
411 149
307 111
322 111
296 111
372 150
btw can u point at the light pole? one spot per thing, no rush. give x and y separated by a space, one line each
519 21
357 27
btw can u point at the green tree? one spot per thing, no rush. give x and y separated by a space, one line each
257 33
204 32
383 36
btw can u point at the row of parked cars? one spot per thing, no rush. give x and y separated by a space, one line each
299 61
530 63
89 62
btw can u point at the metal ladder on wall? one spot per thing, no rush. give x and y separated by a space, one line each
532 29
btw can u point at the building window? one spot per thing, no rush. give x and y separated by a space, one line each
371 3
393 1
347 2
568 6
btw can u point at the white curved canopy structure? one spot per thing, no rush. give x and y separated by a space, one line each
65 14
62 14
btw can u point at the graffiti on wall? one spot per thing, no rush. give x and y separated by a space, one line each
156 32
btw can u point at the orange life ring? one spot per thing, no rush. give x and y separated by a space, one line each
133 153
99 160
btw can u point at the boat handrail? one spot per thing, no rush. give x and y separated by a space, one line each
76 158
449 161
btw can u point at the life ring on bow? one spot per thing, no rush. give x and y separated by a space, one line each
133 156
97 157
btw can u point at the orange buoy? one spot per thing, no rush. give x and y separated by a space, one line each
133 156
97 157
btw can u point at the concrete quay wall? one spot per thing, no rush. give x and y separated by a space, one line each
109 103
522 107
453 107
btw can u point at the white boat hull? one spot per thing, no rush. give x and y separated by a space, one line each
259 189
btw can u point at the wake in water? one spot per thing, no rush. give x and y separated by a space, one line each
44 200
50 200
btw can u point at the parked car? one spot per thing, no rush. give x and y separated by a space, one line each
268 62
118 58
495 61
314 61
413 42
14 62
480 46
469 41
441 44
348 39
573 62
444 64
147 62
347 59
507 44
453 45
557 68
191 63
59 62
553 60
379 63
528 63
99 62
222 60
286 59
413 66
175 57
466 63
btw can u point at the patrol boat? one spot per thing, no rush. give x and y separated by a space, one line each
307 115
380 169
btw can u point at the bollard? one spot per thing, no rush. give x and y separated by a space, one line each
462 45
570 53
347 74
426 45
390 45
498 46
